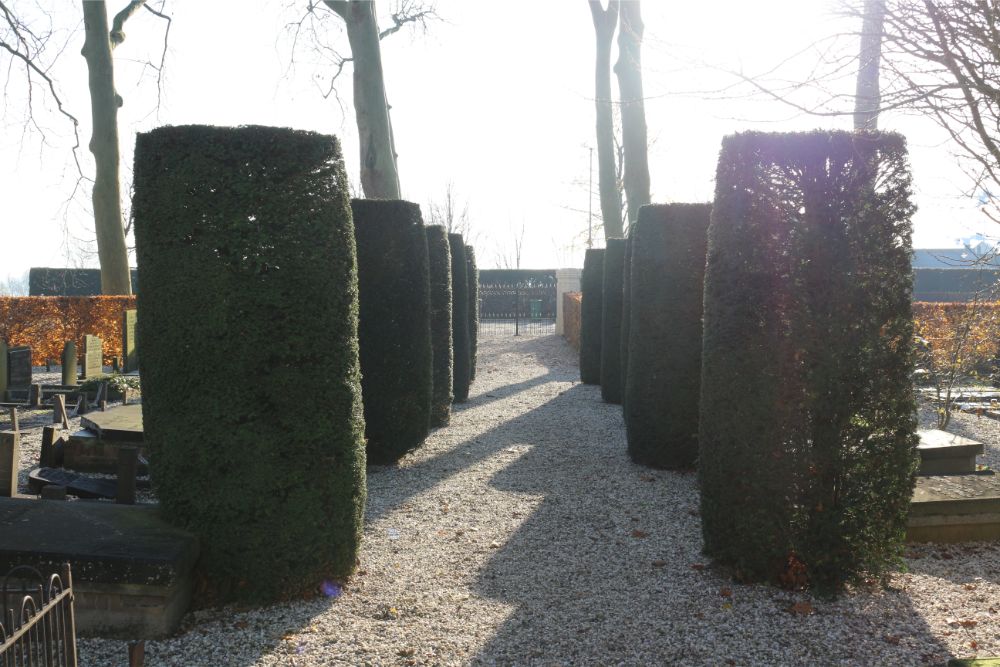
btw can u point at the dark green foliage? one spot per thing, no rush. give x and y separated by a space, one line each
611 321
626 313
807 444
439 254
246 252
394 326
591 310
462 359
666 282
470 259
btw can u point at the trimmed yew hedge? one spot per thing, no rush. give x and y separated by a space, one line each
470 259
394 326
807 440
626 313
245 248
664 378
591 313
462 357
611 321
439 255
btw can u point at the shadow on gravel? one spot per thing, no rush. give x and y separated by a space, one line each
609 570
391 486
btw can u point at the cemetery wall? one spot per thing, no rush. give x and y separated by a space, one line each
45 323
572 301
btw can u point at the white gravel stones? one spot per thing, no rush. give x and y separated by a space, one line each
522 535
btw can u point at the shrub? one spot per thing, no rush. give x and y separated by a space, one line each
462 360
807 440
246 255
591 286
661 392
626 313
611 321
470 258
394 326
439 255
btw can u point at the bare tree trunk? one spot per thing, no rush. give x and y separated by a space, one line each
104 102
867 98
629 71
379 177
605 21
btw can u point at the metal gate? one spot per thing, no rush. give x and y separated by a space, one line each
517 303
37 626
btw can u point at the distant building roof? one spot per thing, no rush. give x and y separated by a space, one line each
956 258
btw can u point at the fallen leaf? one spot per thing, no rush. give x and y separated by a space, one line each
726 592
494 545
639 534
892 639
647 478
974 645
698 566
969 587
659 563
804 608
240 625
406 652
968 623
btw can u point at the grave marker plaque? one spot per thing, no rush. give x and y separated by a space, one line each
130 352
93 357
19 367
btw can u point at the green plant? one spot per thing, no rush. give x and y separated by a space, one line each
394 326
245 247
807 432
591 310
116 382
611 320
664 379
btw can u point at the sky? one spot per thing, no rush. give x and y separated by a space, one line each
493 98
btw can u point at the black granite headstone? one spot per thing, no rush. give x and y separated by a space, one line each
19 367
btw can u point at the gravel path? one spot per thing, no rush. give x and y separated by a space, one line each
522 535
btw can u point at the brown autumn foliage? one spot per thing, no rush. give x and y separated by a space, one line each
572 303
47 322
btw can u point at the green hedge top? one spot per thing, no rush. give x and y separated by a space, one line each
807 411
394 329
245 249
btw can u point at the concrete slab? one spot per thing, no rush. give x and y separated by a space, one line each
943 453
123 423
132 569
955 508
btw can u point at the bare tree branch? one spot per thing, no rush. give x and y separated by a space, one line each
117 34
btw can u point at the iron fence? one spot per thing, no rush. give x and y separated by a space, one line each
37 626
517 308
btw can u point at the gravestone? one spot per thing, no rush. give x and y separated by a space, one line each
69 364
943 453
3 370
130 352
19 367
93 357
10 460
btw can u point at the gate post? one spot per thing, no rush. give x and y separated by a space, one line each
567 280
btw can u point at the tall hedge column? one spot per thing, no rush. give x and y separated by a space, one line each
591 312
470 259
394 326
626 313
611 321
439 255
246 256
462 376
664 376
807 444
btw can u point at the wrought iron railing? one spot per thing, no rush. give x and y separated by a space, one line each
37 625
517 308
